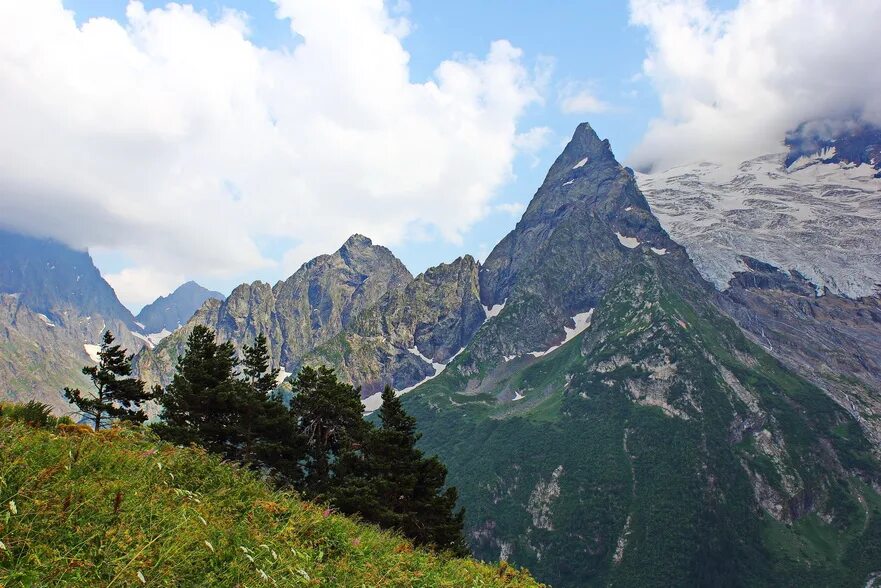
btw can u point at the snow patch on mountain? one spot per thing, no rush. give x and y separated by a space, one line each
495 309
92 351
374 401
155 338
822 220
582 321
820 156
581 163
629 242
438 367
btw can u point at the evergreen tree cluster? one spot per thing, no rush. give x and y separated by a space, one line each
319 444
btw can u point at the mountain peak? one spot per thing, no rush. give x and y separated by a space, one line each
358 240
169 312
583 151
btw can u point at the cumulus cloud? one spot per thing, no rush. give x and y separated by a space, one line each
733 82
580 99
176 140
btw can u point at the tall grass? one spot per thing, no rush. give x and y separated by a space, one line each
120 508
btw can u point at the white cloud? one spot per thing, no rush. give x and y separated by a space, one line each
136 286
178 142
731 83
580 99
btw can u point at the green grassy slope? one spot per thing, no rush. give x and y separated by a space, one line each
120 508
658 448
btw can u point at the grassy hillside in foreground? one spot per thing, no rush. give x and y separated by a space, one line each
120 508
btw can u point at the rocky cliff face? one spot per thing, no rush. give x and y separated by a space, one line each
297 314
832 340
167 313
411 333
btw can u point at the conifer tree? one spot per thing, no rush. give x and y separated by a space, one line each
117 395
270 438
200 405
237 416
397 487
329 417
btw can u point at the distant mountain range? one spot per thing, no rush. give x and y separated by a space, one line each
671 379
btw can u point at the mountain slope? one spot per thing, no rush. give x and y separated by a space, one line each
121 508
833 341
313 305
50 277
611 426
793 242
167 313
54 308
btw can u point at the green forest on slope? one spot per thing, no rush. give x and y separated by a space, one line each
601 475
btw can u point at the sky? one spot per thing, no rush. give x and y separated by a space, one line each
228 140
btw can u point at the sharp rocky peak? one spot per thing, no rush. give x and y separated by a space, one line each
583 150
357 240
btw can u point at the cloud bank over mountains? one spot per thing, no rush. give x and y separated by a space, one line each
174 139
732 82
179 144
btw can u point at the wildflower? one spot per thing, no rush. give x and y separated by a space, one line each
159 464
12 508
303 573
204 522
250 559
2 546
274 555
356 541
211 547
243 548
327 512
141 577
262 574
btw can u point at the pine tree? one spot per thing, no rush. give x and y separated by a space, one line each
117 395
329 417
270 438
200 404
210 405
407 488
